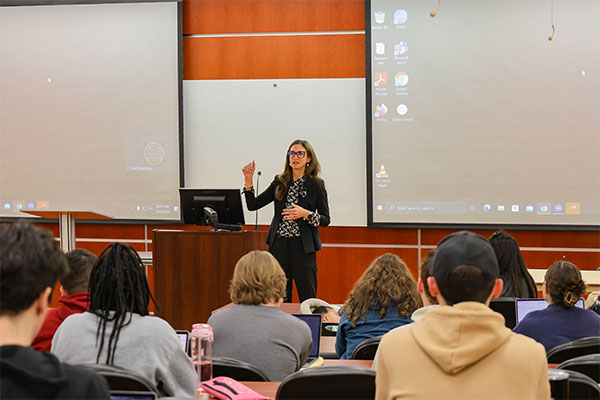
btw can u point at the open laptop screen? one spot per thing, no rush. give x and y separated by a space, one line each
525 306
314 322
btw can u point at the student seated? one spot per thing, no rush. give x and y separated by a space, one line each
118 330
255 330
30 264
518 282
73 299
560 322
318 306
461 349
382 299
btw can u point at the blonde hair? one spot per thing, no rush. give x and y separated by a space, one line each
257 279
386 283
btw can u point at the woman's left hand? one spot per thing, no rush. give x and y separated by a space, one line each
295 212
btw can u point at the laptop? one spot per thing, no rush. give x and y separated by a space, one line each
525 306
314 323
184 338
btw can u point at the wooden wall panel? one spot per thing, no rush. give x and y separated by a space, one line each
340 267
244 16
274 57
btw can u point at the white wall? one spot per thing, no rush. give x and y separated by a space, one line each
228 123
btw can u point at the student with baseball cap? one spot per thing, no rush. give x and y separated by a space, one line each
462 348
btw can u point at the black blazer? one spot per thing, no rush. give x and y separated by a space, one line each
314 200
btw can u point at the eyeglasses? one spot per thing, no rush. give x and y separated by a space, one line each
299 154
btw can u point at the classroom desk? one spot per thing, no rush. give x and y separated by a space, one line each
591 278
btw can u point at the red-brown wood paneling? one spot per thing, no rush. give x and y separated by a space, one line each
274 57
254 16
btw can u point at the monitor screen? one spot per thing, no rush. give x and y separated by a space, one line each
227 203
314 323
525 306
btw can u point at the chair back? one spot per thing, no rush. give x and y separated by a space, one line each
236 369
559 384
123 380
588 365
506 307
582 386
366 350
575 348
333 382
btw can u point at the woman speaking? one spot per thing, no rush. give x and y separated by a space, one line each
300 208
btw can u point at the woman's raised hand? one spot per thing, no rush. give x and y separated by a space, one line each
248 171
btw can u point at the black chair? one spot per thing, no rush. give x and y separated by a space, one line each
575 348
236 369
335 382
366 350
329 328
506 307
588 365
582 387
123 380
559 384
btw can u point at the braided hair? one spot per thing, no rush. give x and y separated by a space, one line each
564 283
118 287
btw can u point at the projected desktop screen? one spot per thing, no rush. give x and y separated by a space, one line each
475 117
90 109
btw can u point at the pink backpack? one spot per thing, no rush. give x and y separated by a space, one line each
226 388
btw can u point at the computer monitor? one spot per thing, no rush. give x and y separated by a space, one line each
196 206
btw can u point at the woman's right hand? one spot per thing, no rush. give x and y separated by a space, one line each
248 171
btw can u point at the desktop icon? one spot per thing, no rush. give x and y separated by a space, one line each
381 110
514 208
543 208
400 17
30 205
400 48
402 109
500 207
380 48
401 79
381 173
18 205
380 79
573 208
379 17
529 208
7 206
43 205
379 207
558 208
487 207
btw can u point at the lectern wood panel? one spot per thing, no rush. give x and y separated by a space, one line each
192 270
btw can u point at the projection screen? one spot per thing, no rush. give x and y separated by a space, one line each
90 109
475 117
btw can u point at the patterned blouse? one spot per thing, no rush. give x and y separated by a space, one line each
289 227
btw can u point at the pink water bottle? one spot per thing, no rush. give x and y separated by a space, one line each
202 338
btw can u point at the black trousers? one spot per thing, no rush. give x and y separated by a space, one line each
299 267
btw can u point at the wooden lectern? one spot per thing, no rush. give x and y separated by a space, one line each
192 271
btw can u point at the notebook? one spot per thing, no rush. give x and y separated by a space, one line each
314 323
525 306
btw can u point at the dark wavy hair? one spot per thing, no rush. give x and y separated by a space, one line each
312 171
118 287
510 258
386 283
564 283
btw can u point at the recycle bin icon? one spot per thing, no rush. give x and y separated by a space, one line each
379 17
